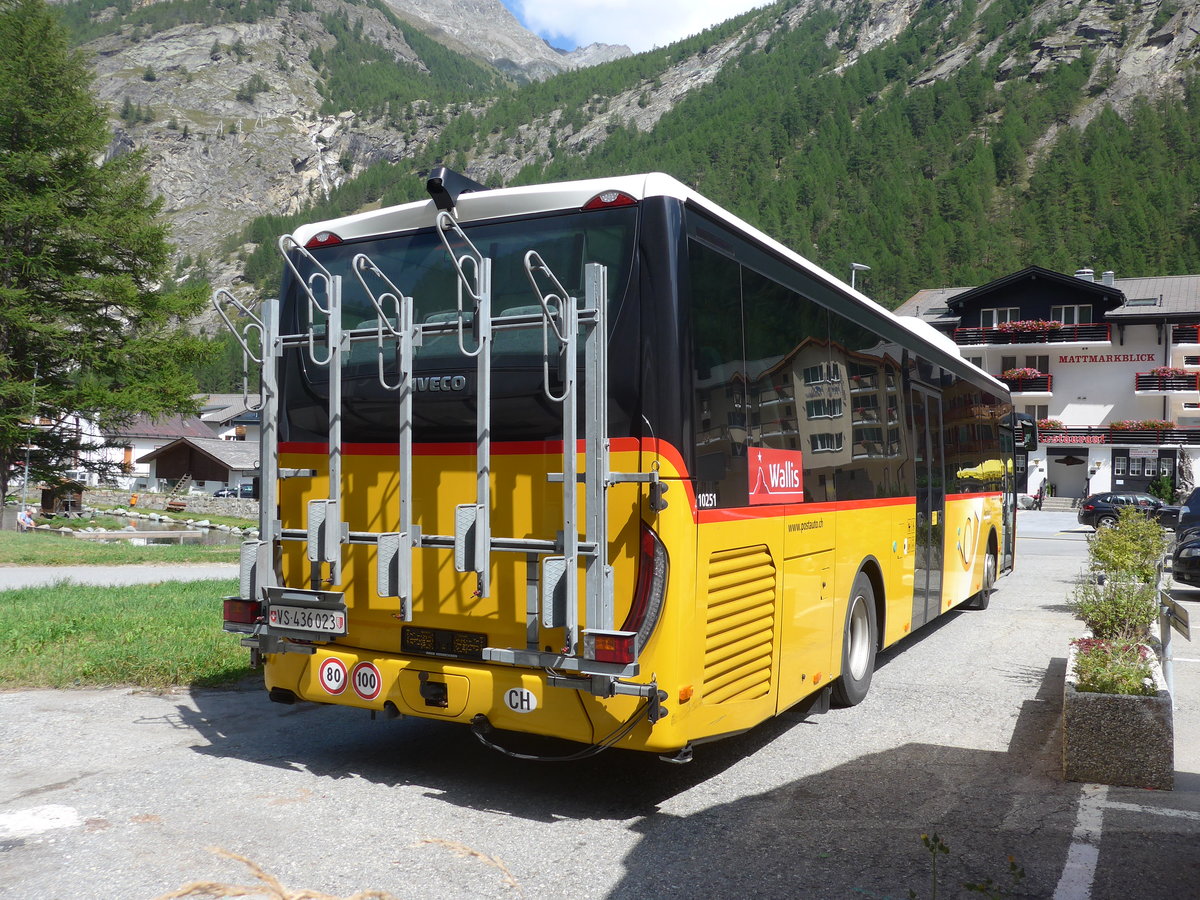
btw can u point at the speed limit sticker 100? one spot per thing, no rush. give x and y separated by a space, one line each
366 680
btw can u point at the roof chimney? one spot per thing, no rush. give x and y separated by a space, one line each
1085 274
1109 277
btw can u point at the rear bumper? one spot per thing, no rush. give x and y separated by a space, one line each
511 698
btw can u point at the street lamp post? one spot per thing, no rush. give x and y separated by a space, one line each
855 268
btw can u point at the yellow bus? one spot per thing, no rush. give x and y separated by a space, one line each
600 461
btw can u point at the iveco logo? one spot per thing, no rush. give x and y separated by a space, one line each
442 383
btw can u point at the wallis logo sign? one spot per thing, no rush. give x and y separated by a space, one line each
776 476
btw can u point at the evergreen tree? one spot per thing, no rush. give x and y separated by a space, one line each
85 329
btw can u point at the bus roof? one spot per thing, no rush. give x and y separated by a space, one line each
553 197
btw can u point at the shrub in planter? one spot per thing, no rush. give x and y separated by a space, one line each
1130 550
1112 667
1114 610
1117 721
1122 739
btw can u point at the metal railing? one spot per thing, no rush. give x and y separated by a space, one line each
1096 332
1041 384
1148 381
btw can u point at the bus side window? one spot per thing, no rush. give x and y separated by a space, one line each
797 398
718 380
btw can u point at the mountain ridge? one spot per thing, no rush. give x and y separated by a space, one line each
313 134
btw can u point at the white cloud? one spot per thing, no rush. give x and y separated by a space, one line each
639 24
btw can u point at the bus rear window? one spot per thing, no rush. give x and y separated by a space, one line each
444 378
418 264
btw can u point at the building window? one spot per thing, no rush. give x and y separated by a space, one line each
1037 410
976 361
823 408
1119 465
1007 362
1135 467
1041 363
825 441
990 318
1166 466
1071 315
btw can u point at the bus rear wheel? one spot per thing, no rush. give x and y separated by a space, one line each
859 643
984 597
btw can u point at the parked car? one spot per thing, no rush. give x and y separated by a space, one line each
1100 510
1188 524
1185 561
243 490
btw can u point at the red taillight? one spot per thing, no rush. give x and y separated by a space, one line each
242 612
323 239
650 590
1088 507
610 646
610 200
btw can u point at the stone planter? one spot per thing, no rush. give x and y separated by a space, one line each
1118 739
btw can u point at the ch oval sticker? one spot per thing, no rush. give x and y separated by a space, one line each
520 700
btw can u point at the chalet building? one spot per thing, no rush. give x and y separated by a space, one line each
1110 367
233 417
206 463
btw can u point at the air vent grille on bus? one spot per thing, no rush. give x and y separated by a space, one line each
740 625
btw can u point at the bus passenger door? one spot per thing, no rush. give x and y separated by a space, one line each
928 456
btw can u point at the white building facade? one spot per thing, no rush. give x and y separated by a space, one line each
1109 367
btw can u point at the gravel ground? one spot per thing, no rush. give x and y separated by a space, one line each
120 794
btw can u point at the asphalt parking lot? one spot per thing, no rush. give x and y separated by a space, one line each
120 794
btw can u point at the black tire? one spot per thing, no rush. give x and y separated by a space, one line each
990 568
860 640
1105 522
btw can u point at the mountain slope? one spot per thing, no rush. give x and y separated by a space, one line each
486 30
939 143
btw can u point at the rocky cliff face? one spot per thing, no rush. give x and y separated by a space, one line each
486 30
221 154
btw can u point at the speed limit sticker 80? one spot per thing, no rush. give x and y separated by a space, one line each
366 680
333 675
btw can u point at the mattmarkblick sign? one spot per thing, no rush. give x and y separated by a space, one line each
1106 357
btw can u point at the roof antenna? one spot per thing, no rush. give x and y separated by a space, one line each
445 186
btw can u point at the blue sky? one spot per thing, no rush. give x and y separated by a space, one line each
639 24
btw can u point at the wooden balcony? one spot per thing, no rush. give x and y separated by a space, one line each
1094 333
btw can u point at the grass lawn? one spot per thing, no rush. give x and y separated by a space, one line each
148 635
41 549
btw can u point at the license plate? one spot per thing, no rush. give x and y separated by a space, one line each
442 642
300 618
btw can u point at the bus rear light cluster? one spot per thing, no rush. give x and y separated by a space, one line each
242 612
651 588
610 646
322 239
610 200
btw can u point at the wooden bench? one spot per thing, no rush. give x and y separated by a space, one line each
176 505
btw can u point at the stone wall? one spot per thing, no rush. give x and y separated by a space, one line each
198 505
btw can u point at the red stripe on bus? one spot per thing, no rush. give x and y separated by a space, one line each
747 513
653 446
